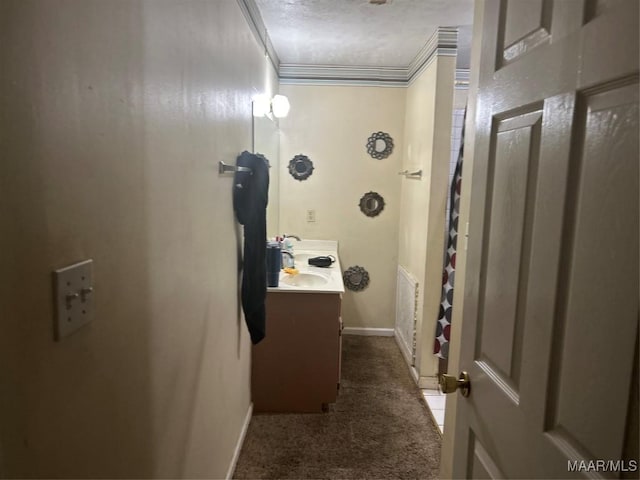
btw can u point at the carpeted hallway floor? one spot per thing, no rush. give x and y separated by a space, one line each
379 428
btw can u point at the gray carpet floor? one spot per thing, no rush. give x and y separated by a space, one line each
379 428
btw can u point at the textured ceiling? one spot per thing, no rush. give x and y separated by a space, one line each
358 33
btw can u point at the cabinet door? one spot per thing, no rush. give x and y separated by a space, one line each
294 369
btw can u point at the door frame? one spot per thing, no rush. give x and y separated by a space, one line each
448 439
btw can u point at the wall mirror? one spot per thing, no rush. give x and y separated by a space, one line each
371 204
380 145
266 141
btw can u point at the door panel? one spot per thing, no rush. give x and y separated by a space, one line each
513 170
482 465
526 24
551 296
599 265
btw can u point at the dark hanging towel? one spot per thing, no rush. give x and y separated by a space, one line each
250 198
443 325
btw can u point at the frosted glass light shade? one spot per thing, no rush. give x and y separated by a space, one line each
261 105
280 106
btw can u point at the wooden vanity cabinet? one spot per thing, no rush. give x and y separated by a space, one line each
296 367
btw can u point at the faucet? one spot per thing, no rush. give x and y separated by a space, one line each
287 259
292 236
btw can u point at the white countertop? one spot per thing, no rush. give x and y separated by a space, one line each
329 278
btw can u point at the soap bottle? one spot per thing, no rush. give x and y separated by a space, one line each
288 245
287 253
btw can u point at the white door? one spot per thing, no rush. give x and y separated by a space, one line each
551 303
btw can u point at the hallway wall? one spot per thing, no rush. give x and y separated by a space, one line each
427 147
113 116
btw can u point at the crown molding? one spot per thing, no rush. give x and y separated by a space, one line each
254 19
443 42
463 76
294 74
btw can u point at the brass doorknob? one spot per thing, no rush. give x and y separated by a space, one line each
449 383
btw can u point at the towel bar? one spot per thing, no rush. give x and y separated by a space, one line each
224 168
407 174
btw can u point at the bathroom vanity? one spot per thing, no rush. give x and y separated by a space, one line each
296 368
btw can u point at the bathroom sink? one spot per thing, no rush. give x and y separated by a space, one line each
302 258
305 279
312 279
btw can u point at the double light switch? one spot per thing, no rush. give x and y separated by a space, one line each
73 291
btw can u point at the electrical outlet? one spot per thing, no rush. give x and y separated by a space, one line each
311 216
73 294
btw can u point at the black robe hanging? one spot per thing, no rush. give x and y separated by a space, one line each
250 198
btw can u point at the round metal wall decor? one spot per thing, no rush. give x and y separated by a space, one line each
380 145
356 278
371 204
300 167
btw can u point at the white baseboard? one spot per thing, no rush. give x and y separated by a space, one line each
379 332
243 433
408 358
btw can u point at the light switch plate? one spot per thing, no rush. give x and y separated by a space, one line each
73 295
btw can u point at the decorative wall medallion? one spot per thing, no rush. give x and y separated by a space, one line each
371 204
356 278
300 167
380 145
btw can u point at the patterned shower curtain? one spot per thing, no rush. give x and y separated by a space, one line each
443 325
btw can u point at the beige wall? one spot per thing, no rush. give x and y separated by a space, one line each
113 116
448 439
460 98
331 124
427 146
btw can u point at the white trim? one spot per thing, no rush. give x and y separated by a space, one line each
444 41
408 358
343 82
243 433
378 332
294 73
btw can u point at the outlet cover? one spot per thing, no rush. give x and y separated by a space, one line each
311 216
73 296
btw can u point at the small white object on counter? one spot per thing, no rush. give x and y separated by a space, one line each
312 279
